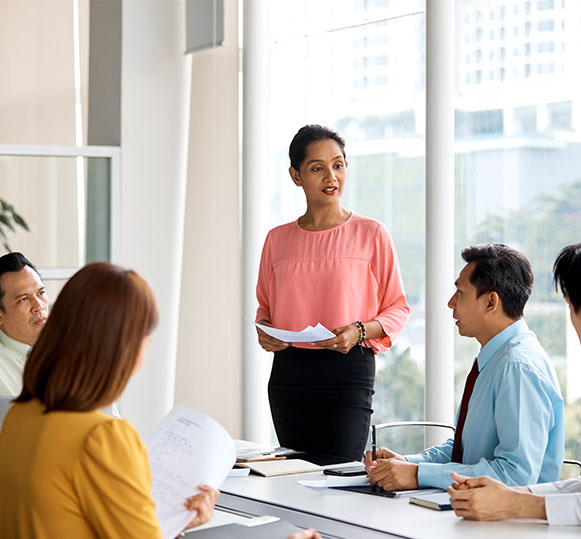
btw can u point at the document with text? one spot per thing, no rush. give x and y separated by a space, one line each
186 449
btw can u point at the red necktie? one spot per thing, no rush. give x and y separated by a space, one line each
470 381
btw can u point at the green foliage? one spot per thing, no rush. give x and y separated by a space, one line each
399 387
399 396
9 220
540 229
550 328
573 430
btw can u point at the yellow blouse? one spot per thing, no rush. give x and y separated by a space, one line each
73 474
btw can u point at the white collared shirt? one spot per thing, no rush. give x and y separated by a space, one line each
13 355
562 501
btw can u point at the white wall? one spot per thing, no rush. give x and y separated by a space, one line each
37 107
154 121
36 66
209 346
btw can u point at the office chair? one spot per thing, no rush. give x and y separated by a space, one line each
571 462
426 424
414 424
566 462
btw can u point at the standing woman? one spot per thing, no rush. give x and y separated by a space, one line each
66 468
340 269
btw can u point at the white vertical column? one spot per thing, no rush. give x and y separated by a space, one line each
155 77
254 144
439 392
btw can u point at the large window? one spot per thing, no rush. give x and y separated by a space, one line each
359 67
520 181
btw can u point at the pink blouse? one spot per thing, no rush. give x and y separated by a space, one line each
334 277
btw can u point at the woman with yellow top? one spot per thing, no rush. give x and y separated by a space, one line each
66 468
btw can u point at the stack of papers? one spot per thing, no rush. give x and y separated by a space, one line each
270 468
250 451
243 447
253 452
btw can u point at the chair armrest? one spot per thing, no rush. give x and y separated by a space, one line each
424 424
573 461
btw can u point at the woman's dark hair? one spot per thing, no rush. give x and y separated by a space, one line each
306 135
567 274
503 270
90 344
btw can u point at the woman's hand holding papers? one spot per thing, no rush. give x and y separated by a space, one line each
484 498
203 503
346 338
268 343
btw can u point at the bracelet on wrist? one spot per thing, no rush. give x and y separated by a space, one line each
361 327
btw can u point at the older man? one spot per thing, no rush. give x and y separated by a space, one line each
23 313
510 424
559 502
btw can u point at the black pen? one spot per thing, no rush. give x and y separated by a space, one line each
373 449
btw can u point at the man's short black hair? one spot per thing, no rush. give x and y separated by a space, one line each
12 262
501 269
567 274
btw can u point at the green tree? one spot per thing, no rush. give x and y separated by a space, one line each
399 396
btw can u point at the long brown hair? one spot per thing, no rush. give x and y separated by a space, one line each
89 346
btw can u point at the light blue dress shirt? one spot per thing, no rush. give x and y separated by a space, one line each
514 429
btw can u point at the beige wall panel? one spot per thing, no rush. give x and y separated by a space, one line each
37 96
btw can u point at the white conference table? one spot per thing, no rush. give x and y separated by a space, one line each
342 514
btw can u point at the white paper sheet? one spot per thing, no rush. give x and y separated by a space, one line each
239 472
309 334
186 449
336 481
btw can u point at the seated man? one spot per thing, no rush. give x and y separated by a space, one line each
510 424
23 312
482 498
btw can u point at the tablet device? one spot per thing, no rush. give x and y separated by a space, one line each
368 489
345 471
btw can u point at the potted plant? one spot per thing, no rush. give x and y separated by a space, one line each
9 221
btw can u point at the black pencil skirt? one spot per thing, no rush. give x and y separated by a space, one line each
320 400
